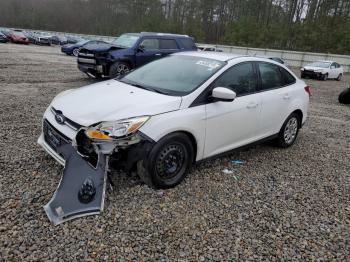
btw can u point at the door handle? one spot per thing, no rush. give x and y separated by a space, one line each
158 54
252 105
286 97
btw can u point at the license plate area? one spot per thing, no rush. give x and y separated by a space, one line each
53 137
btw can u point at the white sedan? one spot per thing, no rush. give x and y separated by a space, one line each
322 70
164 116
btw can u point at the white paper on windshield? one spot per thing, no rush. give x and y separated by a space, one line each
209 64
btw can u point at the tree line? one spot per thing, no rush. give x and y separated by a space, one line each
304 25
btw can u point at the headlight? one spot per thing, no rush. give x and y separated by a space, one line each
319 70
302 69
114 129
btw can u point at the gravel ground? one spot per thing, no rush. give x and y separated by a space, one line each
282 204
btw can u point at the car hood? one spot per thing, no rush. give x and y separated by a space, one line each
313 68
100 47
112 100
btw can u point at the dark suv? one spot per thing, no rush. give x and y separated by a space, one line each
129 51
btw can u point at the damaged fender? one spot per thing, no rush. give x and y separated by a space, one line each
81 191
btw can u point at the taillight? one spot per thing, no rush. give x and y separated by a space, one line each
308 90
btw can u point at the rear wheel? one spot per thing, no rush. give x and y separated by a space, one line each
168 162
339 77
118 69
289 131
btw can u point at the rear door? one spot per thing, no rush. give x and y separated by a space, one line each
233 124
149 50
277 89
168 46
333 72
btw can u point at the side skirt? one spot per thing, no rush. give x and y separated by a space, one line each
269 138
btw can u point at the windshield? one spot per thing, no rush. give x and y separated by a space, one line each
174 75
83 42
320 64
125 41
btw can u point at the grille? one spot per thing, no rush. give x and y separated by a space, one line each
53 137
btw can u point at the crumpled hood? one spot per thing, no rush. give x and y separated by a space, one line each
313 68
112 100
100 47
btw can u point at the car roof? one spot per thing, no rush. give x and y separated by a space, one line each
221 56
157 34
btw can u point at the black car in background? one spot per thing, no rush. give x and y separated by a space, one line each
58 40
73 49
3 38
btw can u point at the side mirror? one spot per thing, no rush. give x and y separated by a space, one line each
223 94
141 48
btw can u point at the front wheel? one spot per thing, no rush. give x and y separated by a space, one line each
325 77
75 51
118 69
168 162
289 131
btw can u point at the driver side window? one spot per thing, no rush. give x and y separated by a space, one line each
240 78
150 44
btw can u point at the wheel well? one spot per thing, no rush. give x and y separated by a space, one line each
193 142
300 115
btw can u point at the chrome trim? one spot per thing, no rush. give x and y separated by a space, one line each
86 54
87 60
65 122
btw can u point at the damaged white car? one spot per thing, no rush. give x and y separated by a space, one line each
161 118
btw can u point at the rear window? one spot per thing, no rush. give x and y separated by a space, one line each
188 43
287 78
168 44
270 76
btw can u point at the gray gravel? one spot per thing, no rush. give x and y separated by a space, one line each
290 204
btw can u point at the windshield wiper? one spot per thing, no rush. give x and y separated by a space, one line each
143 87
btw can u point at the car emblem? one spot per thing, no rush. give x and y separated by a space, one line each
59 119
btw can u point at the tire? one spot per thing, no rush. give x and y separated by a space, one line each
75 51
302 75
339 77
325 77
287 138
168 162
344 97
118 69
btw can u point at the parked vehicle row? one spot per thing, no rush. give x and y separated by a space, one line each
39 38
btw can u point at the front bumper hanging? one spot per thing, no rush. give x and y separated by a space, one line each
81 191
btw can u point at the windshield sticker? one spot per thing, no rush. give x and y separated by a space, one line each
210 64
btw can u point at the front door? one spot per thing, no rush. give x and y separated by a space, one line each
148 51
233 124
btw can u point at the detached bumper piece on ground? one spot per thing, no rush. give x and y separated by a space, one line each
81 191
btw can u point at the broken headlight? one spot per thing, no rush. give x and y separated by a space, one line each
116 129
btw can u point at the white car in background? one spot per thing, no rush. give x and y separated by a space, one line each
208 48
322 70
162 117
